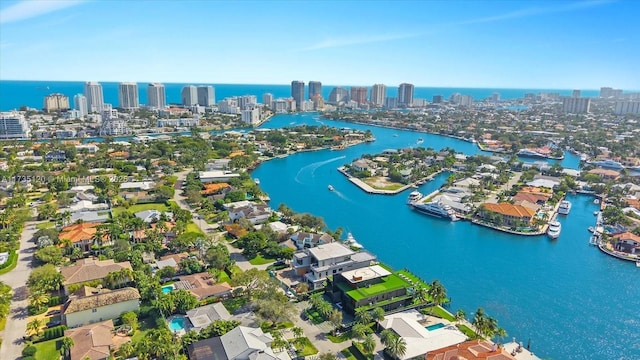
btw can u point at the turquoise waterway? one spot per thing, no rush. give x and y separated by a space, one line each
571 300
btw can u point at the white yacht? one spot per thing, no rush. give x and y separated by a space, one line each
351 242
554 229
437 209
330 188
564 208
608 164
414 197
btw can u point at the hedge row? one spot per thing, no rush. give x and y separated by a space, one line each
52 333
13 257
55 300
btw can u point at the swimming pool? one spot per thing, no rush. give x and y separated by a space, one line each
176 324
167 289
435 326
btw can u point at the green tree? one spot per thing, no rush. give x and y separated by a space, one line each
363 316
5 299
396 347
369 344
130 318
39 299
218 256
35 326
438 293
45 278
65 346
335 318
50 255
274 310
360 331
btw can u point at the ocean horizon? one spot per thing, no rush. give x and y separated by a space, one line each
17 93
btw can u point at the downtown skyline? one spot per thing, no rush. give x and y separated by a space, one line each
515 44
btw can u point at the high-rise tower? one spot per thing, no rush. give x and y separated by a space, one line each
95 99
378 93
359 94
206 95
189 95
297 93
405 95
156 97
128 96
80 104
315 87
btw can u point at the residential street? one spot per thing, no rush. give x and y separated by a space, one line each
17 278
234 254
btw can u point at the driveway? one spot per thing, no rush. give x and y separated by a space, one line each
16 326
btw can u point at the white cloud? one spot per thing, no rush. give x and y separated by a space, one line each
528 12
28 9
357 40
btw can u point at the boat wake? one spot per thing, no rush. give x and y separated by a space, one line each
314 166
342 196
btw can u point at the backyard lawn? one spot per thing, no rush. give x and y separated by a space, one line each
140 207
47 350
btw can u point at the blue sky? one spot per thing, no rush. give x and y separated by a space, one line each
526 44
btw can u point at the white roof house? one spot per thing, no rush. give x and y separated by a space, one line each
419 340
217 175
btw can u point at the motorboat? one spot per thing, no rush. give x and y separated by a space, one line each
554 229
330 187
591 229
257 181
596 213
596 201
435 208
637 263
564 208
351 242
415 196
420 141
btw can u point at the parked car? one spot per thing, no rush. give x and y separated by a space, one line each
53 323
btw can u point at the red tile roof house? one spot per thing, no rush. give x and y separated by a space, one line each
510 212
93 342
81 235
627 243
203 286
90 270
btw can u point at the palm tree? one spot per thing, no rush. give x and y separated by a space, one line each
369 344
460 315
34 326
480 321
66 345
39 299
377 314
359 331
438 293
396 347
363 316
297 332
335 318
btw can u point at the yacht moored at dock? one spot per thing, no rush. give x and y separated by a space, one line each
435 208
414 197
554 229
564 208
